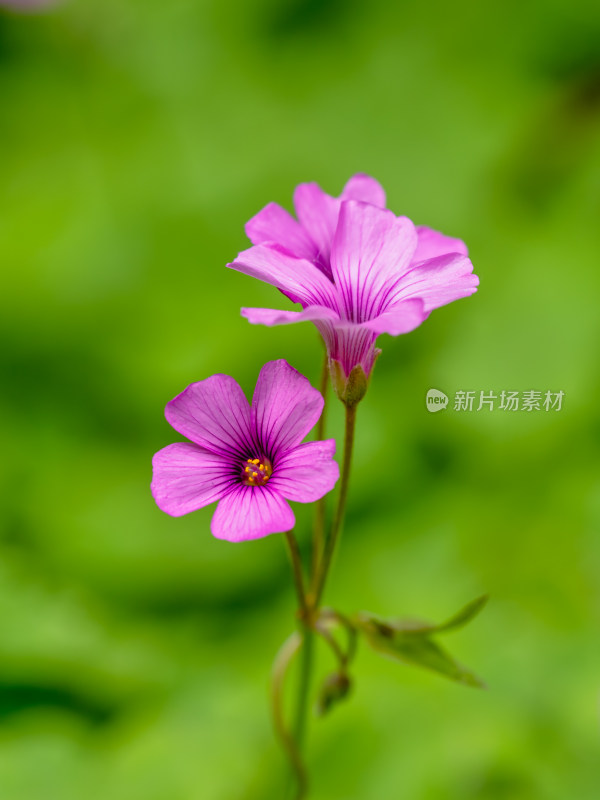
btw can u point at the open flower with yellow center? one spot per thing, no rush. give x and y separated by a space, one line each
248 457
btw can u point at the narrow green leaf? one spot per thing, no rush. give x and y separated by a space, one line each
466 614
419 626
415 647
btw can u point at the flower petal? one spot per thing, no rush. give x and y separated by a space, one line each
285 407
187 477
215 414
433 243
371 249
438 281
363 187
251 512
294 276
307 472
318 212
401 318
274 224
273 316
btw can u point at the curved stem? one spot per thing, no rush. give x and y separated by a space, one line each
341 506
281 664
326 634
319 527
337 616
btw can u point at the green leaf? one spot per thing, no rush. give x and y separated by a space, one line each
414 625
411 642
465 615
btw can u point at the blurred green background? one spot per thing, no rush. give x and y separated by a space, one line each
136 138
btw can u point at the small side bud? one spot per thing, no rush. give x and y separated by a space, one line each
334 688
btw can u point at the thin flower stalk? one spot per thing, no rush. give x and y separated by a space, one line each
320 579
338 519
296 562
321 505
327 636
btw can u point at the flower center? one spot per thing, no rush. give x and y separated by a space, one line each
256 471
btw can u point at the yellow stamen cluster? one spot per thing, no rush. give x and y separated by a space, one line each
256 472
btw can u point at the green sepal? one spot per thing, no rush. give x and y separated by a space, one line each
352 388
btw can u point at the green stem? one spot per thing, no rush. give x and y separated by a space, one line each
304 685
306 643
280 667
308 604
296 561
319 527
341 506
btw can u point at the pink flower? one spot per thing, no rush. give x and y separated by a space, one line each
356 269
317 213
248 457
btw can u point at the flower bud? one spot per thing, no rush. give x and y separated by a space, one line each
334 688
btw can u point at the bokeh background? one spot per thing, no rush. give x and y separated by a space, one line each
136 138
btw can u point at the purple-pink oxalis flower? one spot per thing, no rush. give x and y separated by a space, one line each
356 269
248 457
